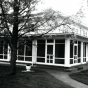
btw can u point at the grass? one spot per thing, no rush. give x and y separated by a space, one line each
80 76
37 79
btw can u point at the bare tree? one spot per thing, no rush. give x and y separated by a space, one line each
18 20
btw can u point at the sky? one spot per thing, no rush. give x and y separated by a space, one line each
67 7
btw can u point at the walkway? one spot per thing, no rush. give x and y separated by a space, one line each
64 76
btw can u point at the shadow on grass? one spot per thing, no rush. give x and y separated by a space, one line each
80 76
37 79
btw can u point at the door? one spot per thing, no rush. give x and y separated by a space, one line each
50 54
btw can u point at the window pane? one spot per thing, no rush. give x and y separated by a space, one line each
71 61
50 49
75 50
5 48
41 50
84 49
1 56
40 59
1 47
28 51
59 61
60 41
79 49
21 50
59 50
28 58
71 50
20 58
79 60
5 57
51 61
50 41
41 41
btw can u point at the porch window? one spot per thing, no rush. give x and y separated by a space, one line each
71 49
75 52
25 51
28 47
79 51
50 41
3 50
40 50
84 52
59 51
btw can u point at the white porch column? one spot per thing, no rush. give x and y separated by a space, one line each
34 51
9 53
67 52
86 52
81 52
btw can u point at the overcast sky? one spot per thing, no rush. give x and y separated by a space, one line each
67 7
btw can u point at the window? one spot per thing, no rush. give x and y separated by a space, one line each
59 48
71 49
75 52
79 49
84 52
25 51
3 50
28 47
59 61
60 41
79 52
59 51
40 50
21 50
50 41
40 59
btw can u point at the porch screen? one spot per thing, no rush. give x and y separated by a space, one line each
84 52
75 52
40 50
3 50
25 51
79 51
60 51
59 48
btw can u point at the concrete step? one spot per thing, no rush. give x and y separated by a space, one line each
67 69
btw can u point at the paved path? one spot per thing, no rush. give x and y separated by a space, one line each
64 76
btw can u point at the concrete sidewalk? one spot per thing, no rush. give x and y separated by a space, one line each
64 76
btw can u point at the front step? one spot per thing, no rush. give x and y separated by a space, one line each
77 68
42 67
67 69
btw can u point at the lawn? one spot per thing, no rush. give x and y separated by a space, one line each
80 76
37 79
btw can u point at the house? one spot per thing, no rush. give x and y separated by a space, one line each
66 46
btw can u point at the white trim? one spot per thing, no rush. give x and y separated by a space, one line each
51 64
51 55
67 52
54 52
86 52
34 51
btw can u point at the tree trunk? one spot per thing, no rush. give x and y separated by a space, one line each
14 38
13 61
